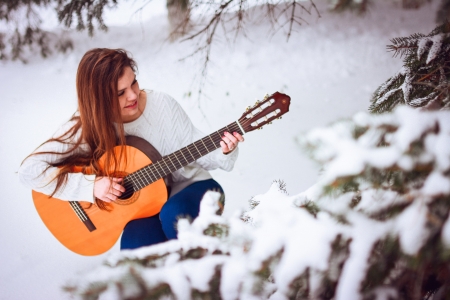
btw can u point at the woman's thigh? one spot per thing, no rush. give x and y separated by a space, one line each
185 204
142 232
161 227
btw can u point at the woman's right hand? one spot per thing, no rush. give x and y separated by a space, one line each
108 189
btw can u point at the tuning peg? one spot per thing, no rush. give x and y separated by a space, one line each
247 108
270 122
266 96
260 128
279 118
257 102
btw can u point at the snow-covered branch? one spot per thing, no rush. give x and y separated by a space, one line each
376 224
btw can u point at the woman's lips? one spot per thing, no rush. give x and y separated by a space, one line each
132 105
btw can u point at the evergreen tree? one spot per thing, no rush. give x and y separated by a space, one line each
423 81
353 235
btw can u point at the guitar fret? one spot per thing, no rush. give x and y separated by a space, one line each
238 128
156 169
133 179
229 129
172 162
164 161
148 174
143 178
218 137
138 183
137 178
193 157
162 169
150 167
185 159
205 146
197 149
181 165
214 144
211 144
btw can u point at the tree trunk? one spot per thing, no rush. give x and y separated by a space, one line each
178 14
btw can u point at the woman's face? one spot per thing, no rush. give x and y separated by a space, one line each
128 93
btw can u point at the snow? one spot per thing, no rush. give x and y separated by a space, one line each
330 67
373 201
349 157
360 250
422 46
411 229
385 293
446 232
436 184
435 47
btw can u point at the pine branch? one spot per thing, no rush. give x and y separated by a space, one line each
87 12
424 78
388 95
27 36
404 45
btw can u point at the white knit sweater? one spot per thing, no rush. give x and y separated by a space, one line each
163 123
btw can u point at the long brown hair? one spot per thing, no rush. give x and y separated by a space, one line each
99 116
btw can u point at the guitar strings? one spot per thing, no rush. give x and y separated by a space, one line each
209 145
140 179
137 176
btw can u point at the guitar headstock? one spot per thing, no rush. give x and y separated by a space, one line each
265 111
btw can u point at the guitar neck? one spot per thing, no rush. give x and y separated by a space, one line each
180 158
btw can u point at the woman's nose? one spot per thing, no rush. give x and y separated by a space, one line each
131 95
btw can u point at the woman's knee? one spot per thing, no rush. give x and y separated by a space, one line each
179 208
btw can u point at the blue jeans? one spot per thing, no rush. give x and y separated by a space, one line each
162 227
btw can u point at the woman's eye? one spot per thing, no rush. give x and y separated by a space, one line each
121 93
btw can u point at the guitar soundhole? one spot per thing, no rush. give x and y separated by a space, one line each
127 198
130 195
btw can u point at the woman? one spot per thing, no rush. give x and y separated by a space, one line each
110 106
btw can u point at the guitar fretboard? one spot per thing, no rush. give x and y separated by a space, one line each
176 160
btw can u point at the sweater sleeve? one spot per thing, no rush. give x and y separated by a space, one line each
36 174
189 134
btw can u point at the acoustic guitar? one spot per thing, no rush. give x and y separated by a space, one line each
86 229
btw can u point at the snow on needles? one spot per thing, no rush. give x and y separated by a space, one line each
344 155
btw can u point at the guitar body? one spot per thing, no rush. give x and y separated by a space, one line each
62 221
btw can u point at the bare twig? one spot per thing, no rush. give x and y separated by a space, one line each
232 16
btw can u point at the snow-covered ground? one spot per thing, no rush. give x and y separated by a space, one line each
329 67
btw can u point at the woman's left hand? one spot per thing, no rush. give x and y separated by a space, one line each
230 141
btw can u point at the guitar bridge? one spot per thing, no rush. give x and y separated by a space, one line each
81 214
